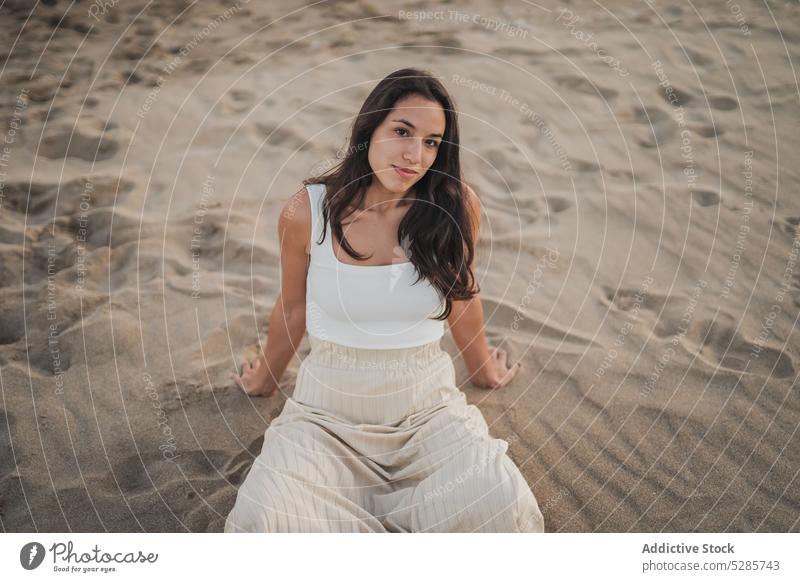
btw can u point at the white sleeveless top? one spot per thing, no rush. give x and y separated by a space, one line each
365 306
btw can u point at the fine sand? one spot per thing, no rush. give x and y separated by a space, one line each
637 165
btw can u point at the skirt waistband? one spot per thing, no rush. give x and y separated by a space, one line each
334 355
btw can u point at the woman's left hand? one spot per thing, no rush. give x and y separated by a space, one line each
255 380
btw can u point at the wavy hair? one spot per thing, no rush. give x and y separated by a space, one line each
438 225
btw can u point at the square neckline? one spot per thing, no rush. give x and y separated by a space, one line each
338 262
329 232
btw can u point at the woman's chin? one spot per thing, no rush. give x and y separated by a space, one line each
397 186
394 183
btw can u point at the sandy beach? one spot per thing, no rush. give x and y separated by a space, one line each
639 254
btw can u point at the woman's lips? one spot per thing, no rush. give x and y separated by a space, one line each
404 173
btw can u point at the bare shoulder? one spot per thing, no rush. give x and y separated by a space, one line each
472 197
294 223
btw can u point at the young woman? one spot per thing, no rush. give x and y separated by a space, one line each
375 255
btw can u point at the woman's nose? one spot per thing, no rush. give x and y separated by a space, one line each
414 151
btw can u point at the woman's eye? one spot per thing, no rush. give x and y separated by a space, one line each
431 142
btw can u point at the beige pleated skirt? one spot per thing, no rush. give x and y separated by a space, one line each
382 440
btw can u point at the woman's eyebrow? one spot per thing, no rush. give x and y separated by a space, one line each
411 125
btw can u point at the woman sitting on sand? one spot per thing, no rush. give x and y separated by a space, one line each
377 437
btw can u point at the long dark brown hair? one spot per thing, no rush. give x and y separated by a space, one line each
438 224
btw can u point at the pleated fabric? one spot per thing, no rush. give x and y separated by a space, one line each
382 440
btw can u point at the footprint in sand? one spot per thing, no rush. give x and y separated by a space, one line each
221 244
661 313
142 43
137 473
705 197
657 127
81 193
718 102
586 87
43 88
508 321
584 166
648 115
29 199
720 345
281 136
108 227
717 343
91 339
696 58
788 224
708 130
237 101
683 96
200 66
499 159
86 139
240 58
557 204
723 103
529 210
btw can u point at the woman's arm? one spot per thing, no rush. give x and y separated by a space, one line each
287 322
487 368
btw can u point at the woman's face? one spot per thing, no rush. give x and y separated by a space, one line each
407 139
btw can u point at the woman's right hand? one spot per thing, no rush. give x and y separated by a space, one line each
255 379
496 372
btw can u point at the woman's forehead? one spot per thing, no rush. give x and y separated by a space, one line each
423 114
